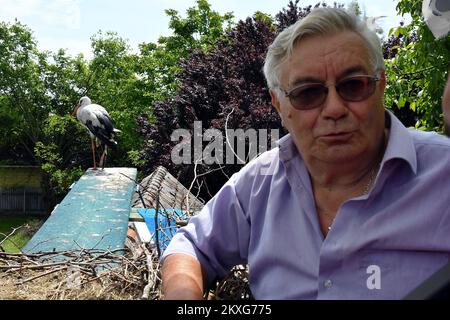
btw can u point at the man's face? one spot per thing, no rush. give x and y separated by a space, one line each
446 106
337 131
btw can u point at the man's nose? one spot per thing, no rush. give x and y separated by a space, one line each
334 106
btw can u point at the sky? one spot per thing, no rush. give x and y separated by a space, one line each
70 24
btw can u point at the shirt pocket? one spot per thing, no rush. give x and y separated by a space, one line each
392 274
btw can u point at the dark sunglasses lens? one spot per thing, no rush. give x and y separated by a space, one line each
308 97
356 89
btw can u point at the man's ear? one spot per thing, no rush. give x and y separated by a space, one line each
276 104
275 100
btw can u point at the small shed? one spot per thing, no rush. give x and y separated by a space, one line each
21 190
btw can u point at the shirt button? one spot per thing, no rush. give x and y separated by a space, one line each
328 284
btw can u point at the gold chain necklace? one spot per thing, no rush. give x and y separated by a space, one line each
369 184
367 187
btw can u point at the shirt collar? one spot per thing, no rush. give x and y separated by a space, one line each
400 144
288 149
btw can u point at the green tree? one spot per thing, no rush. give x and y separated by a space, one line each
62 152
63 76
200 29
417 72
22 92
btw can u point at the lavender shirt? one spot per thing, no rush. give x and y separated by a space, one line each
381 245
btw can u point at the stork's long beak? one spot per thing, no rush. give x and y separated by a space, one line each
75 109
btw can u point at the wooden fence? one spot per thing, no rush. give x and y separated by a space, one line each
23 200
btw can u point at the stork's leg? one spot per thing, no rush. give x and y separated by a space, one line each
106 155
103 157
93 153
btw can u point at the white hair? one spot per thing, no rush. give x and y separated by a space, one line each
321 21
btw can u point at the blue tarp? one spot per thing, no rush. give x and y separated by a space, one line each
166 221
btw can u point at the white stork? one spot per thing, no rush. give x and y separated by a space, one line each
99 125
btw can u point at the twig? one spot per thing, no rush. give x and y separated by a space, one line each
42 266
404 75
7 237
41 275
157 225
226 136
197 161
151 274
39 243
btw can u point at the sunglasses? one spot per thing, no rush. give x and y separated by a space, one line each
312 95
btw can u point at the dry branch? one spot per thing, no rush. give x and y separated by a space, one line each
79 274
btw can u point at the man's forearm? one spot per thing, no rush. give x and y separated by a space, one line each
182 278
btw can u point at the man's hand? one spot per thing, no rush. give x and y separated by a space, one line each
182 278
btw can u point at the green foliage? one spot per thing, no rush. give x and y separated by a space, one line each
59 179
21 88
417 73
62 76
266 19
201 29
63 152
38 90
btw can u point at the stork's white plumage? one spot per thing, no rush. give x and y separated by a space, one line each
97 121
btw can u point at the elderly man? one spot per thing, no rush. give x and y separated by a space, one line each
351 205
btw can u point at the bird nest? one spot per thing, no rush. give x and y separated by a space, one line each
79 275
131 273
234 286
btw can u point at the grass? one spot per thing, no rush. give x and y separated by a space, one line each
21 237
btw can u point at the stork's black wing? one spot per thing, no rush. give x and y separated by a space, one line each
98 122
104 132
